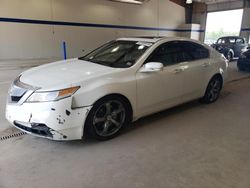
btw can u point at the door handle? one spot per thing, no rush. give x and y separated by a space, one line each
178 70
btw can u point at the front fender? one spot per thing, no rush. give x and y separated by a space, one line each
97 88
226 50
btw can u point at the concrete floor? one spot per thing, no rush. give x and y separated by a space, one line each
190 146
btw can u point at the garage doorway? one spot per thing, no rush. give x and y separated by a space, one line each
223 23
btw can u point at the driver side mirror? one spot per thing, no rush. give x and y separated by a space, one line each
152 67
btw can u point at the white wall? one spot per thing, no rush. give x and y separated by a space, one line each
20 40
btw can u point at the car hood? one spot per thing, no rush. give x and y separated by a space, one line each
62 74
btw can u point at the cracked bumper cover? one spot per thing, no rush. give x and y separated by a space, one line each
53 120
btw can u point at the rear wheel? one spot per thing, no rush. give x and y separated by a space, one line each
213 90
107 118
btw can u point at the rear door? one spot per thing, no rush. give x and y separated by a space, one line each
196 70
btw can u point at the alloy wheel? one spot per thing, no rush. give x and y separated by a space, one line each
214 90
229 56
109 118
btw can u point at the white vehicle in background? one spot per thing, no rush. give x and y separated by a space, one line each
123 80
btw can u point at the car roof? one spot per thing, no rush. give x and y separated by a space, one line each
230 37
141 38
154 39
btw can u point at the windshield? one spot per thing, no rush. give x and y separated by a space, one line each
226 41
119 54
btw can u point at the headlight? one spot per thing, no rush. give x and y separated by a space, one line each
52 95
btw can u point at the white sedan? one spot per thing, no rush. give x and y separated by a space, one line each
123 80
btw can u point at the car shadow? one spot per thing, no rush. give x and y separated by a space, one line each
142 122
150 119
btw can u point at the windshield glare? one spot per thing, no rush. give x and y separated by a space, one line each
119 54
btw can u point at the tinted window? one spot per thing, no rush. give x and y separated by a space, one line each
196 51
169 53
231 40
178 51
240 41
221 41
226 41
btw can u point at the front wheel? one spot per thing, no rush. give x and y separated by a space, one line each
229 56
213 90
107 118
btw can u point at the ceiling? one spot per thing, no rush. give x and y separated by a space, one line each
215 1
181 1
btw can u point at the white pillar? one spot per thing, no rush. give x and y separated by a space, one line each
245 27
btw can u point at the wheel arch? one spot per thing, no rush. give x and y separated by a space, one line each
112 95
218 75
228 50
231 51
118 95
204 98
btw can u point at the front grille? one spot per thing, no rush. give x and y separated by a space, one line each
36 128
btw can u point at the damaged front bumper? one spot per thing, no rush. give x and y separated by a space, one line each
53 120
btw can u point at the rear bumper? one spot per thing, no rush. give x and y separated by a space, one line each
52 120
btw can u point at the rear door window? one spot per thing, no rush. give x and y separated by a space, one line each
175 52
195 50
231 40
240 41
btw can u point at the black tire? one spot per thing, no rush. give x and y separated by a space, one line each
213 90
107 118
229 56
